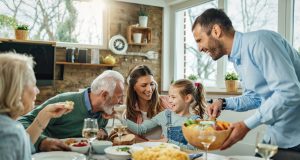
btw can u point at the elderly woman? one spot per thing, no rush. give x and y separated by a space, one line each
17 96
143 101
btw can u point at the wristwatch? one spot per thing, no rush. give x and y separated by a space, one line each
223 100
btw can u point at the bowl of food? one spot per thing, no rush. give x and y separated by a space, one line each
118 152
194 129
99 146
79 145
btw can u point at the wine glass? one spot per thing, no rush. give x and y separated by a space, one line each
89 131
122 127
263 148
206 137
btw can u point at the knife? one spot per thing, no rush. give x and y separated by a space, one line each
195 155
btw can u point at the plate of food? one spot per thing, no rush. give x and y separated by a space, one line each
163 151
154 144
118 152
58 155
80 145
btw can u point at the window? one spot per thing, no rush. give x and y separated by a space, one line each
77 21
246 15
251 15
296 25
193 61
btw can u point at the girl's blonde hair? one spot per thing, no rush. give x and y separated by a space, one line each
16 72
196 90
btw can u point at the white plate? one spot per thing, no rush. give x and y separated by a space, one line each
58 155
112 153
154 144
244 158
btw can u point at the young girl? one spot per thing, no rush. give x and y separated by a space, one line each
187 103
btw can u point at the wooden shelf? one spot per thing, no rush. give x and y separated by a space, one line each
27 41
62 68
146 34
86 64
138 44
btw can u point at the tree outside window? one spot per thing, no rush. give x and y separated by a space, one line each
251 15
72 21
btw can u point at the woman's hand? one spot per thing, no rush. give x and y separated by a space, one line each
55 110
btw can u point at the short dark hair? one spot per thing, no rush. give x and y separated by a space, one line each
213 16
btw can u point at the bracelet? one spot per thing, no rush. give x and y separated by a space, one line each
39 124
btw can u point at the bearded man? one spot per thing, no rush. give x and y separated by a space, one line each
269 69
94 102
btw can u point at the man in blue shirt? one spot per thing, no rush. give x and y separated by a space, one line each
269 70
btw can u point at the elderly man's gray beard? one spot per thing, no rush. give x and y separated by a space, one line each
108 109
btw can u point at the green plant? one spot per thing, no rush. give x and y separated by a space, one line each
7 21
192 77
231 76
143 11
22 27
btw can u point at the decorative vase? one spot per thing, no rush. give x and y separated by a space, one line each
143 21
21 34
137 37
231 85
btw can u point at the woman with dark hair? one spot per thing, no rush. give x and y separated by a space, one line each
143 100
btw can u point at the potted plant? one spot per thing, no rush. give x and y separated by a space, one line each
143 17
193 77
231 82
21 31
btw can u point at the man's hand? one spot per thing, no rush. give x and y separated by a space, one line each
213 110
101 135
239 131
50 144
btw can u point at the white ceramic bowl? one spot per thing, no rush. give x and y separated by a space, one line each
81 149
99 146
113 153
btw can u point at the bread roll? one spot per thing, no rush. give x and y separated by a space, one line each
69 105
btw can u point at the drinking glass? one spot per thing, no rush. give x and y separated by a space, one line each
89 131
263 148
206 138
122 127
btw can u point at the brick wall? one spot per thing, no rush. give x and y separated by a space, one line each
121 15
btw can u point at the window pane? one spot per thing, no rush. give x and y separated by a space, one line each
59 20
197 63
296 25
251 15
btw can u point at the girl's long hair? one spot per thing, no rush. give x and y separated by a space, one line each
196 89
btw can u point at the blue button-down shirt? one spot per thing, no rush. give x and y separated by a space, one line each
88 105
269 70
